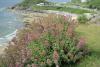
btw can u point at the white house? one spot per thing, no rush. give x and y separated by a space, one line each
83 0
40 4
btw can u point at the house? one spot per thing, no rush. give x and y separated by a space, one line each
83 1
40 4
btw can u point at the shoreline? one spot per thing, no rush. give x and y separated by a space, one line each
4 40
30 16
8 38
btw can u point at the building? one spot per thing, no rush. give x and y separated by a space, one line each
83 1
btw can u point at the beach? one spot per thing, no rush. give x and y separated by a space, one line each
9 23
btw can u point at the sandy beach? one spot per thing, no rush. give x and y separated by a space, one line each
2 48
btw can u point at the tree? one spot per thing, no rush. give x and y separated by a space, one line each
28 3
95 4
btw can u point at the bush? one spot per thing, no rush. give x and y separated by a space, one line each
47 42
82 19
28 3
94 4
57 45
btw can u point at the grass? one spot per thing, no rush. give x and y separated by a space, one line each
92 34
66 9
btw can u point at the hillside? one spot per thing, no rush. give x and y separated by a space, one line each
94 4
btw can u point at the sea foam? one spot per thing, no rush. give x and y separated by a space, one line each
8 37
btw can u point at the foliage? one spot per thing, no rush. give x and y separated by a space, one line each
47 42
57 45
95 4
76 1
66 9
28 3
82 19
91 33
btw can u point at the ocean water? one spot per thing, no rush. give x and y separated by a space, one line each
9 22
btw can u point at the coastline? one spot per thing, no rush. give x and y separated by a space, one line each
30 16
4 41
8 38
2 48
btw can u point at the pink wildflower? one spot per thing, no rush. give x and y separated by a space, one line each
81 43
56 58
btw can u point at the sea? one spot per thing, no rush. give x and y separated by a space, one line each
9 21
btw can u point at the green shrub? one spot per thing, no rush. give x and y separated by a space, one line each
47 42
29 3
66 9
94 4
82 19
56 47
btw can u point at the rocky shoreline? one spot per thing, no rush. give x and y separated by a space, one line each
31 16
5 44
2 48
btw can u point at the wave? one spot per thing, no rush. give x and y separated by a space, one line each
2 9
8 37
3 40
